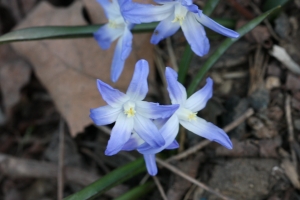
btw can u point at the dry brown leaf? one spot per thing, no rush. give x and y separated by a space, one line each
69 68
14 74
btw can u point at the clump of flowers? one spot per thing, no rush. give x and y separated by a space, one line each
148 127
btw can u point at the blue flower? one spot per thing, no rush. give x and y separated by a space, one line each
130 113
174 14
166 127
186 115
116 28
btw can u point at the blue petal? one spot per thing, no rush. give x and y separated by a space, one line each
151 164
190 6
147 131
195 34
105 35
211 24
199 99
111 96
133 143
117 62
111 8
169 132
176 91
138 87
120 134
154 110
208 131
173 145
164 29
160 122
145 13
127 44
104 115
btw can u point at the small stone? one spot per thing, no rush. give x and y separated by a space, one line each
272 82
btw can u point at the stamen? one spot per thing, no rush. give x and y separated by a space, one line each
129 109
192 116
178 19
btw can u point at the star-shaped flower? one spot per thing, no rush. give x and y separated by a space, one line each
130 113
174 14
116 28
186 115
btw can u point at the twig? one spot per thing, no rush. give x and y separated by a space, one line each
60 174
161 71
25 168
291 137
172 54
204 143
96 158
160 188
187 177
182 136
144 179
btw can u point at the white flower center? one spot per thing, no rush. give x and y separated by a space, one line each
129 109
179 13
186 115
116 23
192 116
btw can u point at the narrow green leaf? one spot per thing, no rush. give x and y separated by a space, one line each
62 32
188 53
209 7
115 177
270 4
185 63
223 47
138 192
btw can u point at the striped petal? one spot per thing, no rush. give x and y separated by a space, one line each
199 99
120 134
195 34
154 110
151 164
104 115
207 130
111 96
138 87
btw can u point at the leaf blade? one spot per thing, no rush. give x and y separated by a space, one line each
108 181
223 47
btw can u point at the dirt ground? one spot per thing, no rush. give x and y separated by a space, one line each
256 92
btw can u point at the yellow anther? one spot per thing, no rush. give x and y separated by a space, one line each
113 24
178 19
129 109
192 116
130 112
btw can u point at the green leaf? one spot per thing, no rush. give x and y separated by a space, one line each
62 32
188 53
115 177
223 47
138 192
270 4
209 7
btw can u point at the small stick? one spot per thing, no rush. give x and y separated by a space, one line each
160 188
60 173
291 137
189 178
182 136
204 143
172 54
96 158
